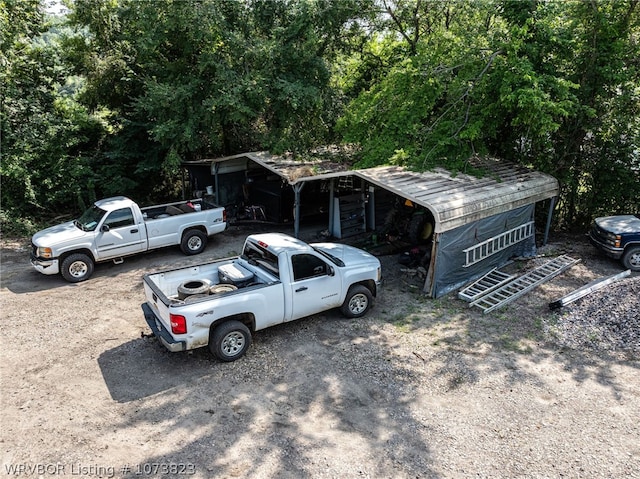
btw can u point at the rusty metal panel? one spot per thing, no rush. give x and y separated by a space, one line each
453 199
462 199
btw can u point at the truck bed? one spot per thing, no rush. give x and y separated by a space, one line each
176 208
165 284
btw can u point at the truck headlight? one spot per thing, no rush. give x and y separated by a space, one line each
44 253
617 241
613 239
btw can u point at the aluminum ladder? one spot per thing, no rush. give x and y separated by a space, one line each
498 243
487 283
523 284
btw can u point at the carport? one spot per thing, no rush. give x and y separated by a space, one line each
478 222
276 181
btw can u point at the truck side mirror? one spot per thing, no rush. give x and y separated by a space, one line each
104 228
330 270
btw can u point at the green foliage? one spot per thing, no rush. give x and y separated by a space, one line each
389 117
47 137
113 98
13 224
212 77
552 85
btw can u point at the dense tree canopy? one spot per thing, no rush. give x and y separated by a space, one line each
111 97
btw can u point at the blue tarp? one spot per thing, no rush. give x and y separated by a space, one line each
447 271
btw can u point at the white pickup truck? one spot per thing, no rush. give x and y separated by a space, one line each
276 279
116 227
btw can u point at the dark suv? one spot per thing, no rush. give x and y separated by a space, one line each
619 238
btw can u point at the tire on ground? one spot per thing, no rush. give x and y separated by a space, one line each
358 301
193 242
229 340
631 258
77 267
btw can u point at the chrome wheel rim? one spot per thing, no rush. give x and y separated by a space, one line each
78 269
194 243
232 343
358 303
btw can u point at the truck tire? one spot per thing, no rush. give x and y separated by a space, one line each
229 341
193 242
77 267
357 302
195 297
222 288
420 229
191 287
631 258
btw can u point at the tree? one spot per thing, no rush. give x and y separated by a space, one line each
117 99
211 77
46 136
552 85
597 148
417 112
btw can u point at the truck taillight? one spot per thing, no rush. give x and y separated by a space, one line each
224 216
178 324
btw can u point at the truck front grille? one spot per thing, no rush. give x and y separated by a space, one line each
599 233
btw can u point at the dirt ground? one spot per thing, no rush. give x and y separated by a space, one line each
418 388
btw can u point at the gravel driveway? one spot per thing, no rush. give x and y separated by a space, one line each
418 388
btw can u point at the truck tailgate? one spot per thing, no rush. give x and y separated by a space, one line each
160 331
158 303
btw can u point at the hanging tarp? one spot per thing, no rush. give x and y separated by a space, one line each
448 271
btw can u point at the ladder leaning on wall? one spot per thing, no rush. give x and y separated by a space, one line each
489 247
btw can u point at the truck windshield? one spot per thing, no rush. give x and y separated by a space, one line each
333 259
259 256
90 219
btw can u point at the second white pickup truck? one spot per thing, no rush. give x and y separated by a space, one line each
117 227
277 279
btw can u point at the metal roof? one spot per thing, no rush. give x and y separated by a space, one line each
296 170
453 199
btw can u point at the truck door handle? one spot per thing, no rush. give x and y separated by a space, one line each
304 288
134 230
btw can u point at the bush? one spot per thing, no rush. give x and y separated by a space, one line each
13 225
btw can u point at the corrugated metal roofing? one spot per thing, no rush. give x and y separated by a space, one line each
454 200
294 170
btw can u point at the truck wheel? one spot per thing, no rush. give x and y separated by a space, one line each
77 267
420 229
193 242
191 287
631 258
229 341
357 302
222 288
